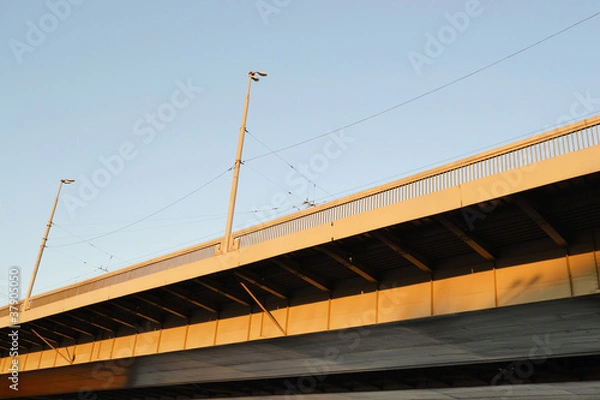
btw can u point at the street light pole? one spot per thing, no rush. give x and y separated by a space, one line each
238 161
26 304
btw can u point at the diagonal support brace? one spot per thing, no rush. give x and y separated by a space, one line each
271 316
70 360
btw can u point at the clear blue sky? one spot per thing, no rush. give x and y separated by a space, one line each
83 81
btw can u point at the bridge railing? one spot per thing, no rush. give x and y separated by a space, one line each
184 257
568 139
529 151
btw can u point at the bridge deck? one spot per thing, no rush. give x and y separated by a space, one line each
516 225
547 158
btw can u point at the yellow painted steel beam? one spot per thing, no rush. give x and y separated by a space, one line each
135 312
56 332
348 263
482 251
104 328
532 213
54 321
160 306
219 289
112 318
191 301
264 286
36 344
69 359
538 281
295 269
393 243
271 316
550 169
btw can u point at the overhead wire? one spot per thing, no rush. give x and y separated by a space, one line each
180 245
83 240
195 221
287 163
196 217
429 92
190 220
144 256
369 117
354 123
454 158
75 258
61 284
152 214
177 246
288 192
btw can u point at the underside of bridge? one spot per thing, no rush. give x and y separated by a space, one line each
456 356
545 350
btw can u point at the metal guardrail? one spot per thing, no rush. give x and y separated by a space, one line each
514 156
561 141
125 275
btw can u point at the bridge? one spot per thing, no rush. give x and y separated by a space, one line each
477 279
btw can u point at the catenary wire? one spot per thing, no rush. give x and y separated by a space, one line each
83 240
286 162
289 193
152 214
454 158
372 116
429 92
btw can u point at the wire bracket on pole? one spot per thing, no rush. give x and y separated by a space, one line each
70 359
264 309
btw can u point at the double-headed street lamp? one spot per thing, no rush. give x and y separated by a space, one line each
252 76
26 304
